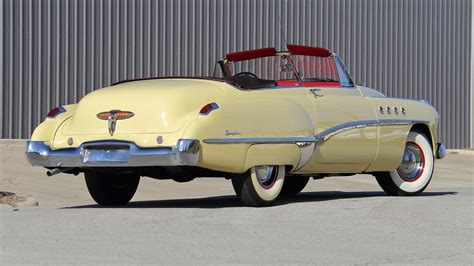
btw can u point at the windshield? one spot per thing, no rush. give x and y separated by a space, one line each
308 68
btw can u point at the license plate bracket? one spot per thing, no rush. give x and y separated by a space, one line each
100 154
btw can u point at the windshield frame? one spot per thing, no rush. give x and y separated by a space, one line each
345 79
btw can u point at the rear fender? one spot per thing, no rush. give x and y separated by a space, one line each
47 129
250 118
272 154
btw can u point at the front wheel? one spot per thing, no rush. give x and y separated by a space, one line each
415 171
111 189
260 186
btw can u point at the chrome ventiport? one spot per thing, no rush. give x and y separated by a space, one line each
380 109
395 110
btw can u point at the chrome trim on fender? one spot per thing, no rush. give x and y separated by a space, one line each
391 122
440 151
259 140
328 133
113 154
323 136
188 146
307 149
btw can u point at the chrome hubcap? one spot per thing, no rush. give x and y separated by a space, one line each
413 163
266 175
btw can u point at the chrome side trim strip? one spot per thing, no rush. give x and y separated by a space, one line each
328 133
260 140
323 136
401 122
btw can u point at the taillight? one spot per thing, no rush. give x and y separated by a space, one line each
56 111
208 108
117 114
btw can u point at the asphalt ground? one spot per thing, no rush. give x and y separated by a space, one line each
337 220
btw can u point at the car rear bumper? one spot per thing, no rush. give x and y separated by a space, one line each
113 154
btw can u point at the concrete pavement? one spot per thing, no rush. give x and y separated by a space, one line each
335 220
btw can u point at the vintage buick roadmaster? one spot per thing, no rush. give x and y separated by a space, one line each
267 120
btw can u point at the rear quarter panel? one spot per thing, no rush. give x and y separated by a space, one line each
250 117
47 130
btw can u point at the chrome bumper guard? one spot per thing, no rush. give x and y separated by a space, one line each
440 151
113 154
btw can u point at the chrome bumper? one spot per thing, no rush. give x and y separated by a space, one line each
440 151
113 154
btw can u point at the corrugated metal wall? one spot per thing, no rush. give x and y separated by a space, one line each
53 52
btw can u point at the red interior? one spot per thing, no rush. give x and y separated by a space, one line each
296 83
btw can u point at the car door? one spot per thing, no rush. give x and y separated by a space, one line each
346 124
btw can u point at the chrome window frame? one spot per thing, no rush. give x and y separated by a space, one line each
342 71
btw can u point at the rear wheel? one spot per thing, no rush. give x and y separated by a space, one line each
111 189
293 185
415 171
260 186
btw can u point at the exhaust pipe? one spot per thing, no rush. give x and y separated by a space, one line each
56 171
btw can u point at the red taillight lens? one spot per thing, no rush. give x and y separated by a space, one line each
55 112
208 108
119 115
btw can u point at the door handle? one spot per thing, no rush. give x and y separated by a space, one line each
315 93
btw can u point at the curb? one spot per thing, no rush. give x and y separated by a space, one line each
461 151
29 202
17 200
13 142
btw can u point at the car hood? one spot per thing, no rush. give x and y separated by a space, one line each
158 106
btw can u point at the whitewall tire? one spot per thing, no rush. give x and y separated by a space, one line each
415 171
260 186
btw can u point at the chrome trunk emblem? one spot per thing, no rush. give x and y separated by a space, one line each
112 123
112 116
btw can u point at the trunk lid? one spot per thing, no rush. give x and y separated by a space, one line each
158 106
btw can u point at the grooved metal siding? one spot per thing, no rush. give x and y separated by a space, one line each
54 52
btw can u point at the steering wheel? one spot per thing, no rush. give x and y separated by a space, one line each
246 74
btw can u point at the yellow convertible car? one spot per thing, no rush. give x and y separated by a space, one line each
268 120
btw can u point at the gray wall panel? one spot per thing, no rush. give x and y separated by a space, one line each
472 80
53 52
